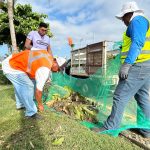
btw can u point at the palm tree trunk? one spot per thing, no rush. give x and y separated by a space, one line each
11 25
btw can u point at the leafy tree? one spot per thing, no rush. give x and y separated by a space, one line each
24 21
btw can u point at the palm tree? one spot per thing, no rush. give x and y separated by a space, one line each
10 4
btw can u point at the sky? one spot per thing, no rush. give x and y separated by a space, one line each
86 21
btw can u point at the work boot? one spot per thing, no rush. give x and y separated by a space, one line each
96 129
141 132
21 108
146 135
35 116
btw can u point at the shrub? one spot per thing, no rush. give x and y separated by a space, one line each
3 79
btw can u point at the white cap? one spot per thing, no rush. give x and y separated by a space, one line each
128 7
60 61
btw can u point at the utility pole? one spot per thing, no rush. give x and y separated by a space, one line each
93 37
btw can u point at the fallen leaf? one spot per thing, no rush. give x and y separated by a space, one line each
58 141
1 142
8 146
50 103
31 144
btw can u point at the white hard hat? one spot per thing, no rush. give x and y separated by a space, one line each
60 61
129 7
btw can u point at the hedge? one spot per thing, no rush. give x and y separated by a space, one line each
3 79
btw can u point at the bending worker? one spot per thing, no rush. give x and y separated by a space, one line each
134 73
22 69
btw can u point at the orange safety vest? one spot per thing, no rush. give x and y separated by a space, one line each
29 61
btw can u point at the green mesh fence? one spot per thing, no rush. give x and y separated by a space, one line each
117 45
99 87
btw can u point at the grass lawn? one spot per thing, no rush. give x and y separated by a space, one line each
18 133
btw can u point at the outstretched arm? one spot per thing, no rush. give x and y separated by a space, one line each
38 96
41 76
49 50
28 44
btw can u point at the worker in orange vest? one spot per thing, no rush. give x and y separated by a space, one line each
22 69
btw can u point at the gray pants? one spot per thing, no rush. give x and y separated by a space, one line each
138 85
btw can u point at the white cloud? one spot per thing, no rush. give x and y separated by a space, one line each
77 19
85 21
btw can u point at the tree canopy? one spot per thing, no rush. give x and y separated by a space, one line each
24 20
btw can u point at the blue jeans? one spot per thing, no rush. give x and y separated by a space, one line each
138 85
24 92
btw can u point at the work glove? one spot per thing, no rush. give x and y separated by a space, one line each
124 69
